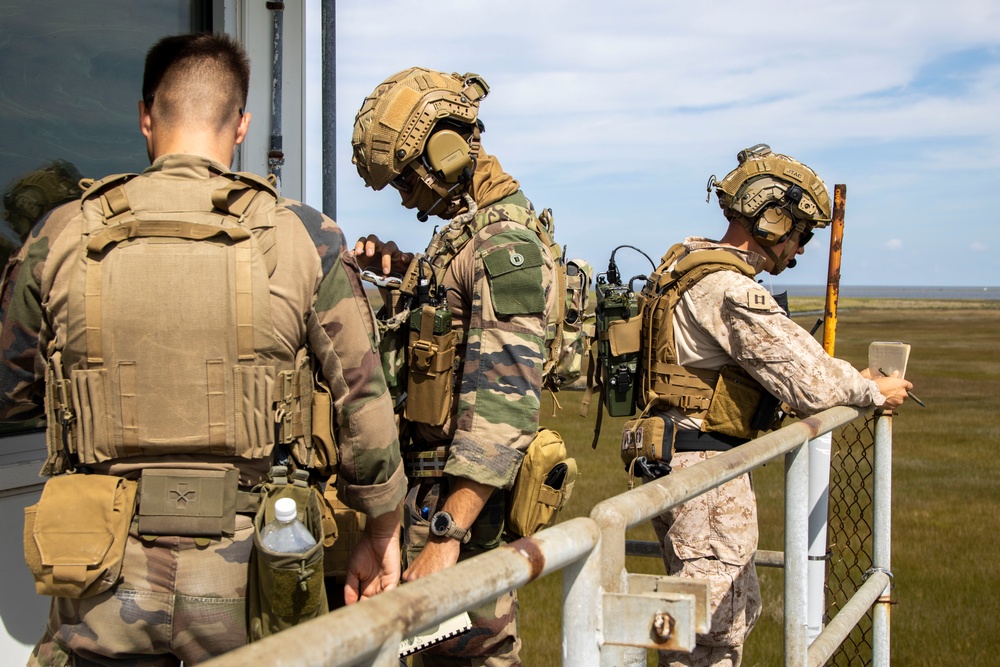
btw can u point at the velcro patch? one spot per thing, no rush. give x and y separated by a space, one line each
758 299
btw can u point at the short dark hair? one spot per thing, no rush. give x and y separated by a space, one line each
179 62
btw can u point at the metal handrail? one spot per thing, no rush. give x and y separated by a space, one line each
591 554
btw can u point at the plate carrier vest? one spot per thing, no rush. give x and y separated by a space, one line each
664 382
169 346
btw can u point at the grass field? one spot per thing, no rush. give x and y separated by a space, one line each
946 490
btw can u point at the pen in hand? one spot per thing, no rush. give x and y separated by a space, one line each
908 392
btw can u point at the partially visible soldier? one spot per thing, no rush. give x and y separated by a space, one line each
489 270
33 195
168 316
716 344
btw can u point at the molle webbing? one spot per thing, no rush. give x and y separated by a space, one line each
686 388
170 346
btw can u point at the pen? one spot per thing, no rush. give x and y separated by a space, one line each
908 392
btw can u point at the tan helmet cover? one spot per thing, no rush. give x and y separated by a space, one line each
392 127
764 178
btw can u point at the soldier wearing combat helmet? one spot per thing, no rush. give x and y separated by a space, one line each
719 355
491 272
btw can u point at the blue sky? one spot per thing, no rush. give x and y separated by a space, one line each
614 114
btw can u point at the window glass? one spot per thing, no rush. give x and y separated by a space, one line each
70 79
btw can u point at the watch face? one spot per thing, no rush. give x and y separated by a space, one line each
440 523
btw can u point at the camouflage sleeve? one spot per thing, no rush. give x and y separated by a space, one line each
500 394
784 358
22 379
342 335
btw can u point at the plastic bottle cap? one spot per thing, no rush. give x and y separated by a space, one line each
285 509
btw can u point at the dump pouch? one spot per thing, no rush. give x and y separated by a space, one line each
735 402
431 366
74 537
543 486
286 589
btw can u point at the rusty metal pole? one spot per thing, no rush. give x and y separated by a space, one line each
833 272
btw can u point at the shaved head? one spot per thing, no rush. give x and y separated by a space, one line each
197 80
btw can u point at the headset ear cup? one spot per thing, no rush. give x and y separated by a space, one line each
772 226
448 154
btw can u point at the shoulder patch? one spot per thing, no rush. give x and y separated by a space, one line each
758 299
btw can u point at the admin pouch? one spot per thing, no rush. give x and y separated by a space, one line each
189 502
74 537
734 405
286 589
543 486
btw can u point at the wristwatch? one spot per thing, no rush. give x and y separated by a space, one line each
443 525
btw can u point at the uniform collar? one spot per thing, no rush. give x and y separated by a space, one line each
754 259
181 165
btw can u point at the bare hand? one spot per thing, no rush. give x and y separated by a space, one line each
894 388
375 562
371 253
434 557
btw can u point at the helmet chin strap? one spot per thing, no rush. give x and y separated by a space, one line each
787 258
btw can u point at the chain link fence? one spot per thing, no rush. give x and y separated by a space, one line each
850 532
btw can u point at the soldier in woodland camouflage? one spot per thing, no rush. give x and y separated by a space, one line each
725 320
182 597
419 132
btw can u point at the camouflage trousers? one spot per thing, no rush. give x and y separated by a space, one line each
714 537
494 640
177 601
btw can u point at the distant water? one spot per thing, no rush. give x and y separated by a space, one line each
892 291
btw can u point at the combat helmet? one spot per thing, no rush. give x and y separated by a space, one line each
776 198
38 192
420 123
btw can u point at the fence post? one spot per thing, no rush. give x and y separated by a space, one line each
882 535
796 548
581 610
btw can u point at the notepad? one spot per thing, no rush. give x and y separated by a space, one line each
445 630
889 357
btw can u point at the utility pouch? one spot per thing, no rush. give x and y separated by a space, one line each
543 486
431 366
735 402
74 537
324 441
286 589
349 524
647 446
190 503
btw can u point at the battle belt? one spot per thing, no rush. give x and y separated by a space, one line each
426 462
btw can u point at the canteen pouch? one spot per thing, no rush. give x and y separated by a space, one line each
189 502
543 486
348 525
430 366
286 589
648 443
74 537
735 402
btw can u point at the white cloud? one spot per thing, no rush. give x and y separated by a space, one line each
893 244
616 113
978 246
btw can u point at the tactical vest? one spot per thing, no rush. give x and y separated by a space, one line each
449 242
169 346
696 392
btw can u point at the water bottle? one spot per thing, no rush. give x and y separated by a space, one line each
286 534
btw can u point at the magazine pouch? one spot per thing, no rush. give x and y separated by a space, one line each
74 537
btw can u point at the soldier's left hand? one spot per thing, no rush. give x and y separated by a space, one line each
372 253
